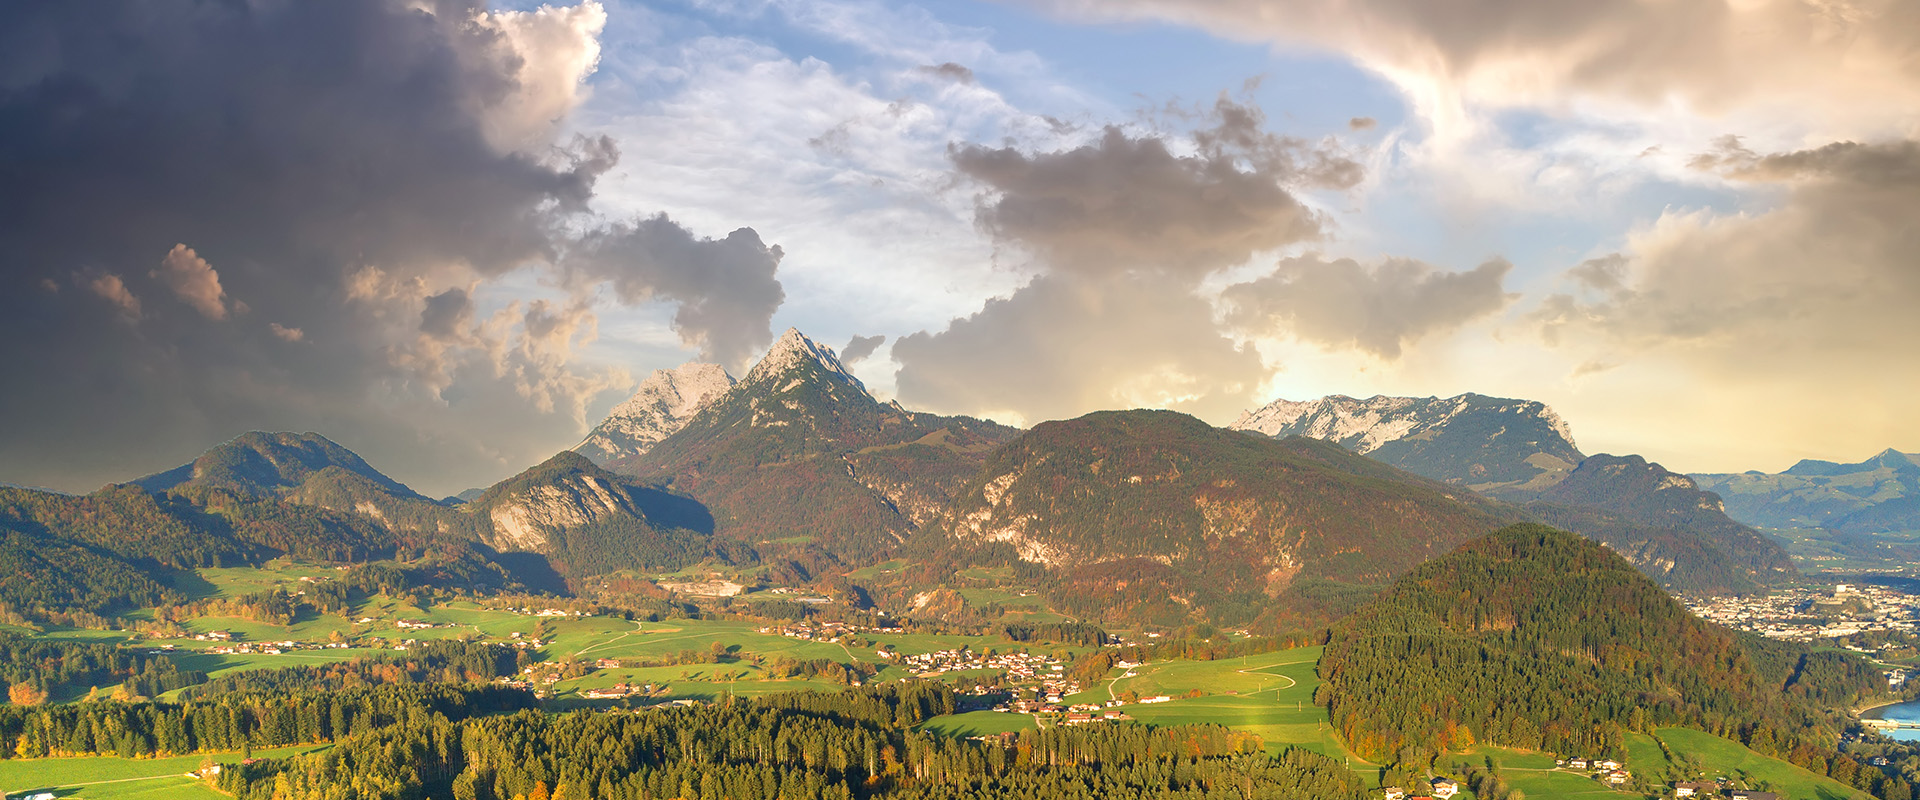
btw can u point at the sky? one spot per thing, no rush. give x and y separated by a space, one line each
451 235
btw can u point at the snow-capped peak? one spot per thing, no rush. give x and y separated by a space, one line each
794 349
1366 425
661 406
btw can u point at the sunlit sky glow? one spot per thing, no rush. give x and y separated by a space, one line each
1687 226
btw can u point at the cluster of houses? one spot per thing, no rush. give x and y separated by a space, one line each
617 691
1609 771
1443 788
250 648
1021 667
1802 614
814 631
1710 789
547 612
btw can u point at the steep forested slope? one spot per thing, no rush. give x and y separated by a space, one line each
1536 638
1155 516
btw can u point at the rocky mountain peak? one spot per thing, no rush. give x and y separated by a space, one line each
795 351
663 404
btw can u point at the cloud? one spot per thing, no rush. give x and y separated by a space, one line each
286 334
726 288
1129 202
1789 59
549 51
859 347
1362 124
115 291
1068 344
948 71
297 146
1830 268
1124 230
193 280
1378 309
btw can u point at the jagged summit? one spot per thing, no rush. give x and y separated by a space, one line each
1367 425
793 350
662 405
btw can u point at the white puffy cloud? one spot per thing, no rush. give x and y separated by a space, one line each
194 281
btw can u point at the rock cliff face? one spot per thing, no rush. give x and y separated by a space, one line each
661 406
1478 441
1144 515
799 456
528 519
587 520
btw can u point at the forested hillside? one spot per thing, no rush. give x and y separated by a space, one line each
1154 516
1540 639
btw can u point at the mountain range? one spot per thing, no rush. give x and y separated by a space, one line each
1878 495
1522 452
798 457
1126 516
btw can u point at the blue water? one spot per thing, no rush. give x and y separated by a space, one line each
1904 712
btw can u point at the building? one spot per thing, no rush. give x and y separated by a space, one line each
1394 793
1749 794
1444 788
1618 777
1577 763
1695 789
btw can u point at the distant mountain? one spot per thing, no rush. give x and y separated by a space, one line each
1521 451
269 463
1878 495
1474 440
663 404
590 521
797 456
1542 640
1150 516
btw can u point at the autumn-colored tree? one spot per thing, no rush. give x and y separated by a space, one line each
25 694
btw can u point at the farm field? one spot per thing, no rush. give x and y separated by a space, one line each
109 778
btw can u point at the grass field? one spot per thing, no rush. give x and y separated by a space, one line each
107 777
1726 757
979 723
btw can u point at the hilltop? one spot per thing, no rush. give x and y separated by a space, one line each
1154 516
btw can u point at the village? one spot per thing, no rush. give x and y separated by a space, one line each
1805 614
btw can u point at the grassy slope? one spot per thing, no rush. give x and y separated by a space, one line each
108 777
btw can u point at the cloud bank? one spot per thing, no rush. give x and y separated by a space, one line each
309 216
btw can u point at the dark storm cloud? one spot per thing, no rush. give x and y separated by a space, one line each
726 288
326 189
1378 309
859 347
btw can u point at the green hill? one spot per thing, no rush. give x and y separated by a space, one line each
1154 516
1539 639
270 463
1664 523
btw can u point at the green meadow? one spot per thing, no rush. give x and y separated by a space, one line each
106 777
